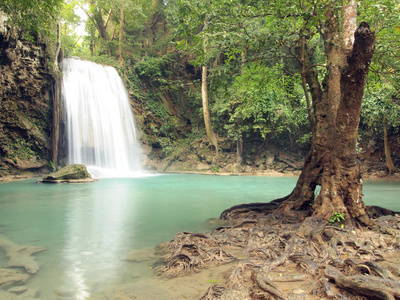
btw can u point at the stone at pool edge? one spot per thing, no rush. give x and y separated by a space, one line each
76 173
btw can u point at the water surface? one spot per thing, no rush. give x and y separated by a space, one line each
89 228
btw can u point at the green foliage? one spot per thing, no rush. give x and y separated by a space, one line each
150 67
213 281
215 169
337 217
21 149
384 18
262 102
380 99
34 16
254 88
52 166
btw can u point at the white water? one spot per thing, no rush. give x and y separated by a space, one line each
101 129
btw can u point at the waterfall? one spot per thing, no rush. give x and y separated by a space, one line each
101 130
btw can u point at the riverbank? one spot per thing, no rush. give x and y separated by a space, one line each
367 176
17 177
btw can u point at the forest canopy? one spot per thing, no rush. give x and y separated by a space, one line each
252 51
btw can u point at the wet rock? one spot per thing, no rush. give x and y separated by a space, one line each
20 256
26 164
71 174
23 293
9 277
25 102
18 289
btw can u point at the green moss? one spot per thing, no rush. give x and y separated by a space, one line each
213 281
21 149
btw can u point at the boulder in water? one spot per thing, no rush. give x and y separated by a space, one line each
76 173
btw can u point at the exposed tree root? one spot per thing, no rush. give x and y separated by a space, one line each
372 287
192 252
342 263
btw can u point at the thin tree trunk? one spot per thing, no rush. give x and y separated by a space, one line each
121 36
92 39
206 112
239 141
56 99
102 27
389 162
204 97
98 18
239 150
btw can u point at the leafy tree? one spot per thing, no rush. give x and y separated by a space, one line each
380 108
70 40
262 103
385 18
34 16
380 112
333 81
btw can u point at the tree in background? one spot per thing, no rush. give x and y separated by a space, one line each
197 29
264 104
380 113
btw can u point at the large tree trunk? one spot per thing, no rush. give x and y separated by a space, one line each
332 162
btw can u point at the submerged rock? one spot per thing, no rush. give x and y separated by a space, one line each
20 256
9 277
71 173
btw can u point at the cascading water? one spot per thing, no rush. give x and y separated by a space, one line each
101 129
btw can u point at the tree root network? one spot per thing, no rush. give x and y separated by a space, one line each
268 254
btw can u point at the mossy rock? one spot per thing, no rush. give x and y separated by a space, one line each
71 174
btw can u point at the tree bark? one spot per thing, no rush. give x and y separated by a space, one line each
239 151
332 162
56 99
389 162
349 12
98 18
206 112
204 97
239 141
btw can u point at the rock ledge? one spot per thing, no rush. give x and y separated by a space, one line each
69 174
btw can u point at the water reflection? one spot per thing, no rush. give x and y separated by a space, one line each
94 238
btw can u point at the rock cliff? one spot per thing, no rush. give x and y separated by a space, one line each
25 102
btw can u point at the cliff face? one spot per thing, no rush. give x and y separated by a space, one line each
25 103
